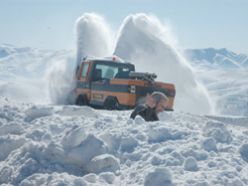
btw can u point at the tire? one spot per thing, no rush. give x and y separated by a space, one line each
111 103
82 100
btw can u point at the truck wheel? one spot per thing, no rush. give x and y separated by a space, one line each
111 103
82 100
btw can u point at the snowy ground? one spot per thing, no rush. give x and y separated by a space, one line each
70 145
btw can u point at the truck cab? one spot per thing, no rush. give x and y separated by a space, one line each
107 83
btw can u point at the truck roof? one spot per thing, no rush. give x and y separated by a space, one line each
107 59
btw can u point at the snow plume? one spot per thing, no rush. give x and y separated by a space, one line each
22 74
143 40
60 80
36 76
93 36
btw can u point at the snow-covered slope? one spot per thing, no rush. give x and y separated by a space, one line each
225 75
70 145
221 58
228 89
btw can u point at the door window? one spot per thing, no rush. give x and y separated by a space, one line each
85 70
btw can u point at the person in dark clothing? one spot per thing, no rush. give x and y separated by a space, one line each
155 103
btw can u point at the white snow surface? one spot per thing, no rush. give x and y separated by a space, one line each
71 145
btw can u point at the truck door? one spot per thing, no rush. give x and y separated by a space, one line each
83 83
100 83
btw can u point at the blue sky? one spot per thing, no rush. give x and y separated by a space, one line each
49 24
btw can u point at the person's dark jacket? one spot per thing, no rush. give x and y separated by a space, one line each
149 114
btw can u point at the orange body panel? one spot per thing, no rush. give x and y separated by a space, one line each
127 82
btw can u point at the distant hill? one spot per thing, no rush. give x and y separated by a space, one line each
222 58
7 49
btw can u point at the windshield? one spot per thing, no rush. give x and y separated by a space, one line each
110 70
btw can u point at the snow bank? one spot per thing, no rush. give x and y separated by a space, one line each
209 144
10 143
142 40
159 176
72 145
218 131
190 164
103 163
86 150
53 179
244 152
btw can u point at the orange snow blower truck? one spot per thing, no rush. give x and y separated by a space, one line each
114 85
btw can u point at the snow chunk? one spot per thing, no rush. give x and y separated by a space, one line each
198 155
92 178
11 128
109 177
212 164
190 164
128 144
203 183
222 136
236 182
9 113
8 144
159 177
90 147
53 179
78 111
37 112
218 131
103 163
175 159
73 137
113 141
244 152
157 160
209 144
5 174
158 135
139 120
